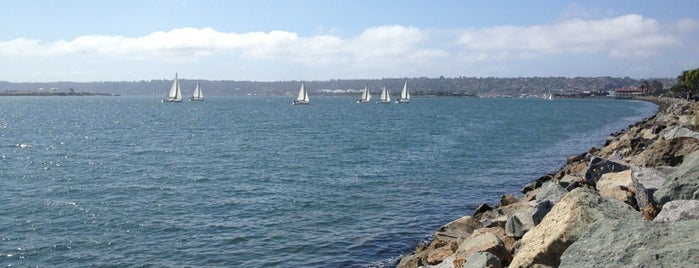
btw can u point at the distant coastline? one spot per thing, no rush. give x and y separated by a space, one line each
46 93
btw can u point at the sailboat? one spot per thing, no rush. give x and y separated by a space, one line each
385 97
366 96
197 95
404 95
302 98
175 94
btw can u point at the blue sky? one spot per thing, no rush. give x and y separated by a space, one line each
129 40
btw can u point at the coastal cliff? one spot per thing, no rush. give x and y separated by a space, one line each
632 202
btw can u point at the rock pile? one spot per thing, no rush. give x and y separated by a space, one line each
634 202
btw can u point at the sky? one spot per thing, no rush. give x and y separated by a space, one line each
263 40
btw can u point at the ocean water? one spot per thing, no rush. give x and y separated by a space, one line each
256 182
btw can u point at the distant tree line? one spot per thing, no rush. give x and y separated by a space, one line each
440 86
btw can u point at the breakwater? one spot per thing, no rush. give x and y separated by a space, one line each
631 202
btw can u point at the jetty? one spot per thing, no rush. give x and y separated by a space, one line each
632 202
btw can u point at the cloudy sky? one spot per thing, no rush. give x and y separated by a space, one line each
130 40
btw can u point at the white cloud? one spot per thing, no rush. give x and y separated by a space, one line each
383 51
687 25
624 36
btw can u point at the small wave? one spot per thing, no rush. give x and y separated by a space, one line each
23 145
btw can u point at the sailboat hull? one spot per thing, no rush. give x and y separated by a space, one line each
402 101
195 99
300 102
171 100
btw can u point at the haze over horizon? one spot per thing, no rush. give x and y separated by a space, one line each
83 41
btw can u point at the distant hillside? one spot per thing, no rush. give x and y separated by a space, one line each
461 86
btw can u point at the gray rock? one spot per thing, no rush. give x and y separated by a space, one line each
677 131
568 220
635 243
651 178
551 191
570 179
541 210
599 166
683 184
514 227
679 210
482 260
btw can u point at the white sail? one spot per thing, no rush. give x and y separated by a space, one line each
366 96
385 96
197 94
175 94
404 95
302 97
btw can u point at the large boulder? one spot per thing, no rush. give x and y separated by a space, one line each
681 184
679 210
652 178
667 152
568 220
600 166
483 242
482 260
551 191
678 131
618 185
635 243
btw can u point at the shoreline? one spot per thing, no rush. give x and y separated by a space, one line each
627 181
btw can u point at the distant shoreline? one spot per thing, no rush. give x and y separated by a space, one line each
41 94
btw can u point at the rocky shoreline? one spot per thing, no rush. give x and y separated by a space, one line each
634 202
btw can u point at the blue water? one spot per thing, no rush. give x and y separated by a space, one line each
257 182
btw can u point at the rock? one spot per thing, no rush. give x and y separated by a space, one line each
645 202
568 179
529 187
599 166
509 242
514 227
484 242
458 229
635 243
482 260
446 240
667 152
679 210
507 199
551 191
618 185
683 184
567 221
677 132
541 210
651 178
438 255
482 209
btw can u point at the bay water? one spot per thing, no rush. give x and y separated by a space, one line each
256 182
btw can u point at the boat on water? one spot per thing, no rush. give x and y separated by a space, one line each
366 96
175 93
385 97
302 97
404 95
197 95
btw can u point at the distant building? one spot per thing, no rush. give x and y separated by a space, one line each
628 92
